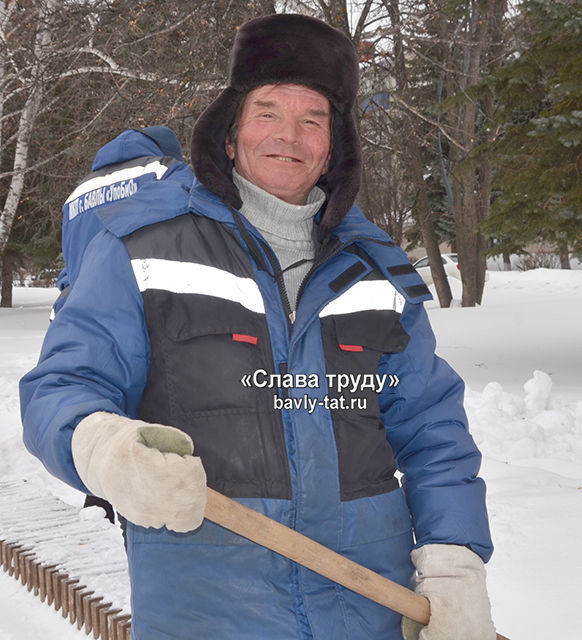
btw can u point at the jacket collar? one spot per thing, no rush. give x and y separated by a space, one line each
354 226
204 202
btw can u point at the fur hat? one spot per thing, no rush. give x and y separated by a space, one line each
293 49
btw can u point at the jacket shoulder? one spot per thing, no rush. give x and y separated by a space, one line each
394 263
387 256
155 202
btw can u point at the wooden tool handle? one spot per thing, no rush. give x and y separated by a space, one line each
293 545
305 551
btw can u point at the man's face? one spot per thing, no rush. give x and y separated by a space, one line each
283 140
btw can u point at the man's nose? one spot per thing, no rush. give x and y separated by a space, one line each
288 131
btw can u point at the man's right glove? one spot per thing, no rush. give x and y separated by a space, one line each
146 471
452 577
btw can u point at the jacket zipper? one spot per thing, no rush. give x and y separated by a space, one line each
277 274
253 248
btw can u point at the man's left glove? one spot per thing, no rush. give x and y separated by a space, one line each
146 471
453 579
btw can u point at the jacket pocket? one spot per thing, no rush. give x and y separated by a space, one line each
202 350
354 344
210 345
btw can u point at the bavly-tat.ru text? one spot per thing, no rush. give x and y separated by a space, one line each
310 404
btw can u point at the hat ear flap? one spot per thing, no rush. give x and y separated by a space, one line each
212 166
342 181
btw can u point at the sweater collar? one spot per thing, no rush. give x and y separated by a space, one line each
206 203
274 216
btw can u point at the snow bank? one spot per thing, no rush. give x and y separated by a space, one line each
532 447
513 428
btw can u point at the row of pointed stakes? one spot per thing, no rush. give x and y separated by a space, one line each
75 601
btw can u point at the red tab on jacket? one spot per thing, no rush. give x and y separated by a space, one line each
351 347
242 337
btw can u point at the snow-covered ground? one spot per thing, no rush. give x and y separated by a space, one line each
520 354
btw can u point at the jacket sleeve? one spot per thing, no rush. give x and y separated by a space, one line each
427 429
95 357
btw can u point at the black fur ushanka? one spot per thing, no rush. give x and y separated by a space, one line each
294 49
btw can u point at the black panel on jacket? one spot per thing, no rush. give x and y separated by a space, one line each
202 344
192 238
353 345
201 347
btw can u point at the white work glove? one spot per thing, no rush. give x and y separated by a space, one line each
146 471
453 579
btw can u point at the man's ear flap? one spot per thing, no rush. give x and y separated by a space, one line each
341 183
212 164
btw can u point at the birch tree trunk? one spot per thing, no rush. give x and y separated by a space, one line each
44 17
19 167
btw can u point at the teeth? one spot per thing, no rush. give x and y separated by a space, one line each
283 158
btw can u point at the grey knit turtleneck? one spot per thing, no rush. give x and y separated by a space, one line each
288 228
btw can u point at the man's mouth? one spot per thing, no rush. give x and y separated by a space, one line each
283 158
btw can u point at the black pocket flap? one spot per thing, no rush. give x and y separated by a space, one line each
191 316
377 330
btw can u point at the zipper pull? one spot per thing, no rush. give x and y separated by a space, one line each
292 317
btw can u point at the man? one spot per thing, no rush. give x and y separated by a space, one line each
269 323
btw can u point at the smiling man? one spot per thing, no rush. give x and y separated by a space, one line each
260 321
282 142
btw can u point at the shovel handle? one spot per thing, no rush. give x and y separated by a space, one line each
303 550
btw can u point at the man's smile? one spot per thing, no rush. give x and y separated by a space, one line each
283 158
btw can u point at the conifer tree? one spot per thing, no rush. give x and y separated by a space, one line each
539 149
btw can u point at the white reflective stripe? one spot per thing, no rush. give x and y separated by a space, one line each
189 277
117 176
365 295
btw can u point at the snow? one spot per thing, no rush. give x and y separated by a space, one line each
24 617
528 320
520 354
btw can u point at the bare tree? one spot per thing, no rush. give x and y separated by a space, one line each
40 50
472 44
75 72
411 142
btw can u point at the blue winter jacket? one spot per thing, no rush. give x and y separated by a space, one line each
212 583
120 168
